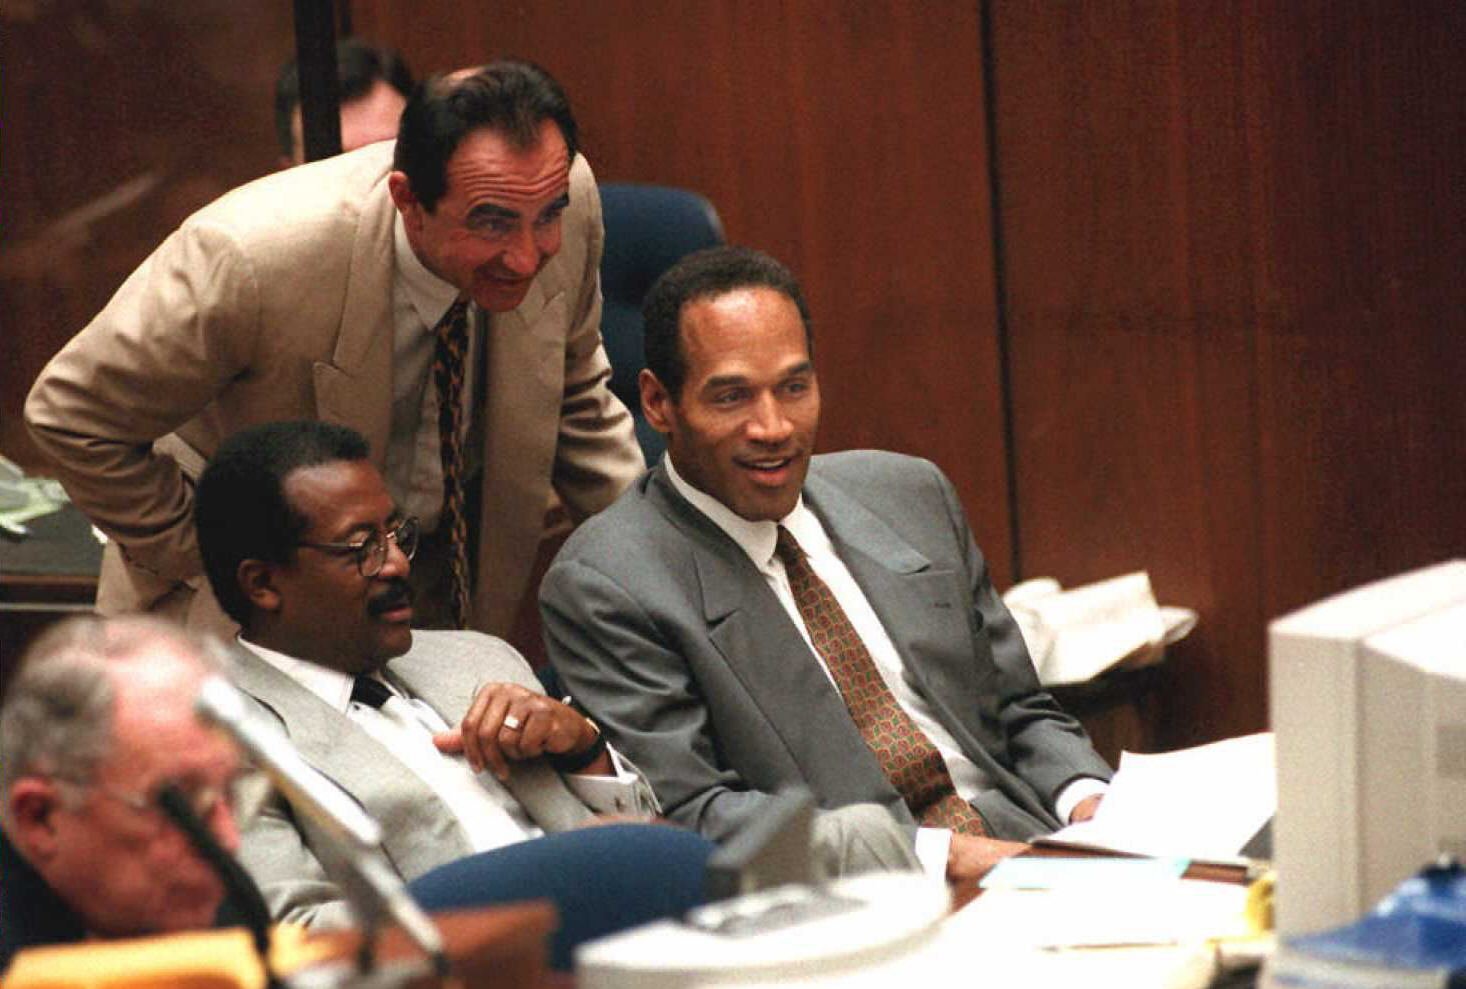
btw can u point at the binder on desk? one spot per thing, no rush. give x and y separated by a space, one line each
1415 937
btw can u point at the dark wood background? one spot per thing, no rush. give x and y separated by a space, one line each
1174 286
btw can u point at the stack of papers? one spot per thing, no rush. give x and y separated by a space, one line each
1205 803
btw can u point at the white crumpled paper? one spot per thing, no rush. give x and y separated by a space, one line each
1075 635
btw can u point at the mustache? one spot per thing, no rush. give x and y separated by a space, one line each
398 594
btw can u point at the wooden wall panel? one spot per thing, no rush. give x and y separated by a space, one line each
119 119
847 139
1232 243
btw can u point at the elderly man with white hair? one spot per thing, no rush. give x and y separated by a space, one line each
97 720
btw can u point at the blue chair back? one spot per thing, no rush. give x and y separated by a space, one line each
649 228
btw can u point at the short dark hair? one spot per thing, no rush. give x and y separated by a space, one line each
359 66
511 98
702 275
240 507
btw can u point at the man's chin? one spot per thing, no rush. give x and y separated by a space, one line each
395 640
495 296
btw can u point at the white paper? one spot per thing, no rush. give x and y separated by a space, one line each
1203 803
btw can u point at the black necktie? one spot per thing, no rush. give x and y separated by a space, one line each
370 691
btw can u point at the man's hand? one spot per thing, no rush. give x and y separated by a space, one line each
508 723
969 858
1086 808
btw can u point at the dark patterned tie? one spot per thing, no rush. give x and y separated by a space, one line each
452 334
911 762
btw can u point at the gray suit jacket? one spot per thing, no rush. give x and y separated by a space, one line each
281 849
663 628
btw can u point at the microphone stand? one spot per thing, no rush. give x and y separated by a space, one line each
238 886
352 854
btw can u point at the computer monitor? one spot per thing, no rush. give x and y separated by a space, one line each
1368 701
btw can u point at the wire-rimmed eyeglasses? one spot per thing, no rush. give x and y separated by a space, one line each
371 552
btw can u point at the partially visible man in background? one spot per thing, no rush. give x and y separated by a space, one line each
375 83
98 719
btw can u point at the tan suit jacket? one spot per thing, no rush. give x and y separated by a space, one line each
275 302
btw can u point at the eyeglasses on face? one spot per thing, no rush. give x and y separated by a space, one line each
203 801
371 551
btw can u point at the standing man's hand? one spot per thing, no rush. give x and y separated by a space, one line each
509 723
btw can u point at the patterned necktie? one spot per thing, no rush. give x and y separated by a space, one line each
910 761
452 334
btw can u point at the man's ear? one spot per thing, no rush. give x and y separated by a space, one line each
656 401
405 200
257 581
33 803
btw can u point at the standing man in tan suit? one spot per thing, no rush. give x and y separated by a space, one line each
320 292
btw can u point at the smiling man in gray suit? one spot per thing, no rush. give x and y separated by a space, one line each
445 738
748 616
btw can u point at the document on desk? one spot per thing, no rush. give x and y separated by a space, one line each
1203 803
1032 872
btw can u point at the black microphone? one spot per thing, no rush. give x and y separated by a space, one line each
238 886
356 860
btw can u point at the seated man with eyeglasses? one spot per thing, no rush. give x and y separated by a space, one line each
98 719
444 737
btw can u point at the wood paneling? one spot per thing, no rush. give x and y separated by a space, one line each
1230 234
1232 242
120 119
847 139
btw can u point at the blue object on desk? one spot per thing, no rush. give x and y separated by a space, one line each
1415 937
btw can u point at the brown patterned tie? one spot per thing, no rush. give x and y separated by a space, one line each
911 762
452 334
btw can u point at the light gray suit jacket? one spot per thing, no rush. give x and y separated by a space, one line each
281 849
667 633
275 302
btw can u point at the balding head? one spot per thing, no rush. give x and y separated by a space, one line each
97 719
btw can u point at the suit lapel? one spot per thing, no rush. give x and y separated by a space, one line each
924 611
355 388
415 823
762 647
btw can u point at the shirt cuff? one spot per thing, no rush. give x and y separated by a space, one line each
1076 793
932 847
615 794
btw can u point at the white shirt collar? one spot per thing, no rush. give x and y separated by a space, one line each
331 686
429 296
756 539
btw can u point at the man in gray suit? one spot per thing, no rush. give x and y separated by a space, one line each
445 738
747 616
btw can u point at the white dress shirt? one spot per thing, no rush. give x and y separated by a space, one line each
757 540
487 813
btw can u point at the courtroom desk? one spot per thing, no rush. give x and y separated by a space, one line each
504 945
43 578
488 946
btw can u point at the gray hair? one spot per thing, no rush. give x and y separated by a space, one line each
56 718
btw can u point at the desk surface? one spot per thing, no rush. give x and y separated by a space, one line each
59 545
